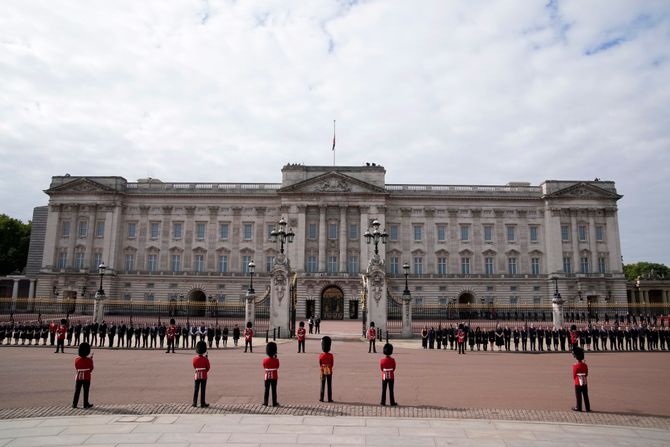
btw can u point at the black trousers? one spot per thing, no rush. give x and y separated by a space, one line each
461 348
202 385
247 343
582 391
301 344
170 345
372 347
86 384
389 384
60 344
329 380
270 383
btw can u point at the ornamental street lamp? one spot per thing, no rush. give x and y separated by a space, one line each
375 235
406 293
101 270
281 235
406 306
557 295
252 268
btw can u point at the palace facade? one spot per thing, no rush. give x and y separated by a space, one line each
463 243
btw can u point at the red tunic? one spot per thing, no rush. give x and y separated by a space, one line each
301 334
461 336
579 368
387 366
201 366
326 362
372 334
248 334
271 366
171 331
62 330
84 366
52 327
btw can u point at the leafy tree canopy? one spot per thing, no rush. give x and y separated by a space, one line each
14 242
645 270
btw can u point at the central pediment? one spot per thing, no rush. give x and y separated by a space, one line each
332 182
581 190
79 185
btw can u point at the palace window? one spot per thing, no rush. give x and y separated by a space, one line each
465 233
269 262
352 265
200 231
332 264
600 233
567 264
223 231
132 230
465 265
248 231
311 232
176 230
83 228
79 260
489 263
100 229
533 233
511 233
311 264
62 260
565 233
535 266
130 263
511 266
97 260
488 233
152 263
393 264
441 233
353 231
418 265
393 232
175 263
223 264
581 231
418 232
332 231
199 263
65 228
602 266
245 264
442 265
584 264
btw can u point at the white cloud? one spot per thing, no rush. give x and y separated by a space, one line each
437 92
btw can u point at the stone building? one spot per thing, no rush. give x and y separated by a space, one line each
464 244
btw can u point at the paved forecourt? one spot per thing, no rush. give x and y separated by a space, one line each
277 430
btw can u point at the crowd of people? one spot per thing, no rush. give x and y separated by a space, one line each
529 338
121 335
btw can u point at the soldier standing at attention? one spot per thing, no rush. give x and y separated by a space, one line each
271 368
326 362
387 366
532 334
52 332
580 372
201 366
460 339
301 337
372 338
217 335
248 337
84 366
424 337
236 335
60 341
171 333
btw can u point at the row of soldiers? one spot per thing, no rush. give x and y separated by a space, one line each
530 338
117 335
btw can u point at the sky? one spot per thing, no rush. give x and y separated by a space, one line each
438 92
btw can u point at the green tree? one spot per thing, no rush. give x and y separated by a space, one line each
14 242
645 270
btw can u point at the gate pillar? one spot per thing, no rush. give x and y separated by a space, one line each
280 301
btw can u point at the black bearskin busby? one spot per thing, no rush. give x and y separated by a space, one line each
578 353
372 324
84 349
249 324
172 321
325 344
271 349
201 347
63 321
388 349
573 327
302 324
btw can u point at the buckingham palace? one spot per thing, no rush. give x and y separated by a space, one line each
161 240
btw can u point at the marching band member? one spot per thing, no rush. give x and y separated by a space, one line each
326 362
301 337
248 337
201 366
84 366
387 366
372 337
271 367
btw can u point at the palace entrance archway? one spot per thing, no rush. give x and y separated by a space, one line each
197 302
332 303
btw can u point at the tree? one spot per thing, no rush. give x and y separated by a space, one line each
645 270
14 242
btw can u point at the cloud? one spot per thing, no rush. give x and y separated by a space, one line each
437 92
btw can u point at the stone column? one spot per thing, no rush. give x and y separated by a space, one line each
280 299
249 307
407 316
376 303
15 289
99 307
343 239
31 290
322 238
557 311
365 224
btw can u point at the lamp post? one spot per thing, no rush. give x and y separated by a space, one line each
557 306
406 305
251 294
375 236
281 235
98 306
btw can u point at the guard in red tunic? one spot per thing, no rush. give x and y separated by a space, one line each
248 337
326 362
301 337
61 332
271 367
84 366
387 366
460 339
372 338
201 366
52 332
171 333
580 372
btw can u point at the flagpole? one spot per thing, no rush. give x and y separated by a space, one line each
333 142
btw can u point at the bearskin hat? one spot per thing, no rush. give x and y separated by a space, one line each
372 324
302 324
201 347
249 324
388 349
326 342
172 321
271 349
578 353
84 349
